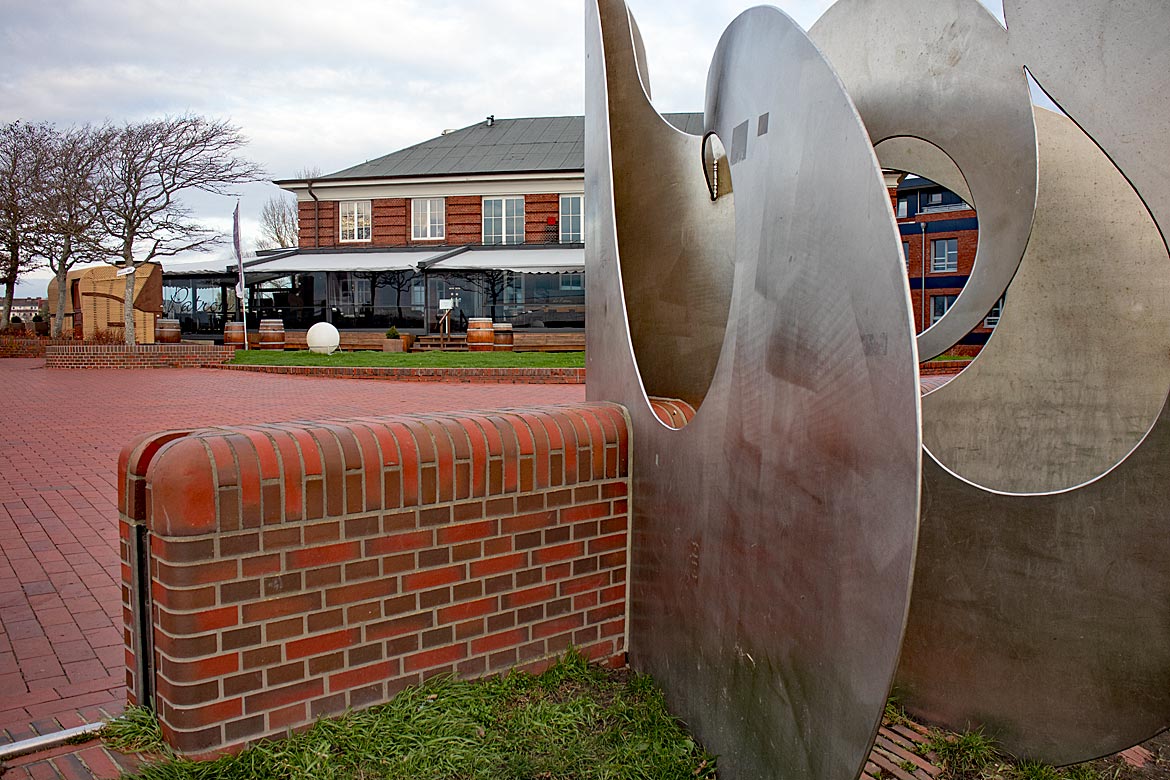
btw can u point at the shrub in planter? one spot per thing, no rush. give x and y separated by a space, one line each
393 341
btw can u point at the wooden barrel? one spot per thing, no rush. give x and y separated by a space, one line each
233 335
272 334
167 332
503 336
480 337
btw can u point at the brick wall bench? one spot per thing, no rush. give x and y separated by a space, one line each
273 574
139 356
545 376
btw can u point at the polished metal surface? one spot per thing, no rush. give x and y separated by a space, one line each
1044 618
942 71
1106 64
1077 371
774 533
680 296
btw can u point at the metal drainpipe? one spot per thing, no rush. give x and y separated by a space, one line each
316 215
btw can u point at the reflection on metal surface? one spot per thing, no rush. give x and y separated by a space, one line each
1105 63
1077 371
681 294
942 71
773 535
913 155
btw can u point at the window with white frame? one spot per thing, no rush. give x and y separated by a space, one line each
571 219
355 220
992 318
572 281
944 255
939 304
427 219
903 208
503 220
906 252
934 199
418 292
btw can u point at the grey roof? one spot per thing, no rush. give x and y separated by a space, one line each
531 145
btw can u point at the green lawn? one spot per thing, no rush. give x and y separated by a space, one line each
256 357
574 722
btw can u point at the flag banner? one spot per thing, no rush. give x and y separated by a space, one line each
239 254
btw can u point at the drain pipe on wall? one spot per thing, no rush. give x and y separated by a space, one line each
316 215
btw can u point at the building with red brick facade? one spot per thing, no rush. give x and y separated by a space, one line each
488 220
940 233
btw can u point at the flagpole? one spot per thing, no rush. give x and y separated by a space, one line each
241 293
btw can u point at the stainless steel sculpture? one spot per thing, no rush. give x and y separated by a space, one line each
773 534
1041 590
754 275
942 72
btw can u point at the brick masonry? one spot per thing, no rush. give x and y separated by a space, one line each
391 222
513 376
299 570
140 356
20 347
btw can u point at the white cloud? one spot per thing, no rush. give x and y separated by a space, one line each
332 85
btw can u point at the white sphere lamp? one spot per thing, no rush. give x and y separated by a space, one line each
323 338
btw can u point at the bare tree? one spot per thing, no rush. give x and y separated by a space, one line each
150 166
22 163
71 204
278 223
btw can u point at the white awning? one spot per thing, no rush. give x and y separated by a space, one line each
344 261
210 267
525 261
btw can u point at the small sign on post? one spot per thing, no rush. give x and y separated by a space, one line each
125 271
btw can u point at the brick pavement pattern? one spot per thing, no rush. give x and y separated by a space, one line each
61 645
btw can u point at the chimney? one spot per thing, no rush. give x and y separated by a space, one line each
491 120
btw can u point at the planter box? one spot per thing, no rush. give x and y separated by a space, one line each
392 345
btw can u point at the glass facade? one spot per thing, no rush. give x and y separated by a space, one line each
375 300
201 304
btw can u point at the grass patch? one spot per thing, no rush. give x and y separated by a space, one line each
134 731
963 755
573 721
256 357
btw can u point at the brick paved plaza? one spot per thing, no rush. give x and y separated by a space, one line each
61 654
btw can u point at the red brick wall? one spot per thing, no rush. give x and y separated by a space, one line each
391 221
18 347
537 211
307 215
140 356
298 570
464 220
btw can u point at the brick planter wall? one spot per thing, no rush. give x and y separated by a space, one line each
140 356
302 569
538 376
20 347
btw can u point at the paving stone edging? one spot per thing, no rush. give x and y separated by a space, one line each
544 376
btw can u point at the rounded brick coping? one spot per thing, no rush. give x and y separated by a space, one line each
565 376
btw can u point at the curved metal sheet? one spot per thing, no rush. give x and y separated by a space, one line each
913 155
1043 617
1076 373
773 535
1105 63
681 297
942 71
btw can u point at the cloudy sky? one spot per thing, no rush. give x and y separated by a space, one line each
313 84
